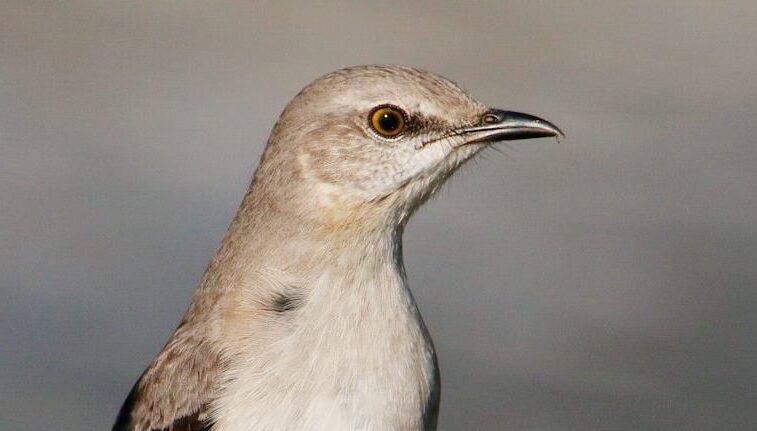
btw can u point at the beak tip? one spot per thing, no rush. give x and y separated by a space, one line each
559 134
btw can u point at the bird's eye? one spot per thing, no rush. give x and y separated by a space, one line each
388 121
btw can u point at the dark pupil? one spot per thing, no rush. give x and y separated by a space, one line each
389 121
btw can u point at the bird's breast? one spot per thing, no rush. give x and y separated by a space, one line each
354 356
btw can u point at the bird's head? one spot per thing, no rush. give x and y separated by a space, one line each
376 141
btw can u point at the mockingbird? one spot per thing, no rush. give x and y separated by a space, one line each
303 319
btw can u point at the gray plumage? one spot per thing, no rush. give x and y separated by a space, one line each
303 320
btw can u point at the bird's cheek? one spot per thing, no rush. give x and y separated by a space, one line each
424 162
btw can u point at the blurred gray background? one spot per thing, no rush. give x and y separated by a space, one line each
605 283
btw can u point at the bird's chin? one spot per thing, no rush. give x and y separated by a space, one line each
466 150
421 188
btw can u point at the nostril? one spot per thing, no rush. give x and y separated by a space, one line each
490 119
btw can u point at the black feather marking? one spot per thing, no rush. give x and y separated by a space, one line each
190 423
286 302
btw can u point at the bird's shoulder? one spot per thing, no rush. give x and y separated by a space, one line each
174 392
126 422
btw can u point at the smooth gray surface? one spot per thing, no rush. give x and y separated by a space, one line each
609 282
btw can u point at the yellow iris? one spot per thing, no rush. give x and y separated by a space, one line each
388 121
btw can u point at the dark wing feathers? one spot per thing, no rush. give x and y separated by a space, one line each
123 421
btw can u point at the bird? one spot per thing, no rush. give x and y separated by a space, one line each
303 319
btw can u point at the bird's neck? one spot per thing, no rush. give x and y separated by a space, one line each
356 326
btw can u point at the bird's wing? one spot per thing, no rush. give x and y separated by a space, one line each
126 421
174 392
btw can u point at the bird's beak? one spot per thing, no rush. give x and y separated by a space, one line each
498 125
